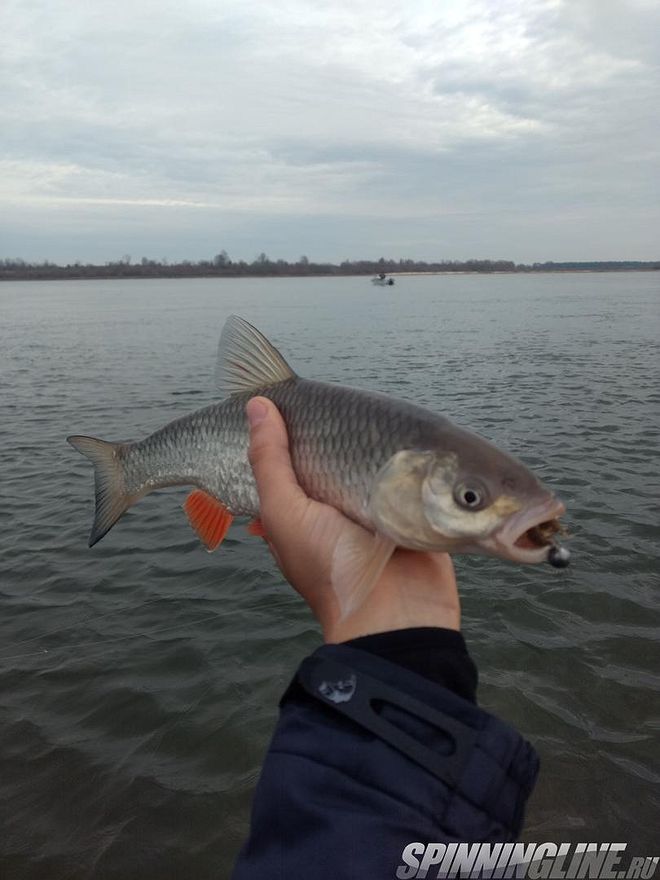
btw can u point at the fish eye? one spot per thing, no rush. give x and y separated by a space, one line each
470 496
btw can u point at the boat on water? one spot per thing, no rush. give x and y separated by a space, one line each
382 280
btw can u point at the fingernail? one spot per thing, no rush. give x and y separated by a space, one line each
256 412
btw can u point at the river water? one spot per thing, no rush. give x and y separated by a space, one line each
139 680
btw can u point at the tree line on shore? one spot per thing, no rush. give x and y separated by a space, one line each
222 265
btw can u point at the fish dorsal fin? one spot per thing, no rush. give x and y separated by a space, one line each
247 360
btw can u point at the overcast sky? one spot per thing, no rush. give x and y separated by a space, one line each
431 129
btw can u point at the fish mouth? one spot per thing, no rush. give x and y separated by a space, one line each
527 536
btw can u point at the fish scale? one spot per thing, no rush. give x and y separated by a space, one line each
339 439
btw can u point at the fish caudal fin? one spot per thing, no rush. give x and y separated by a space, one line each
208 517
111 498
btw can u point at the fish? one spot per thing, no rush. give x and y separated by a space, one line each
409 476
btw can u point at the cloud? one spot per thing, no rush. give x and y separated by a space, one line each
250 115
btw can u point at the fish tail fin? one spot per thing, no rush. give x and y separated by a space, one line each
112 500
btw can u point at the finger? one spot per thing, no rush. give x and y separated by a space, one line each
270 459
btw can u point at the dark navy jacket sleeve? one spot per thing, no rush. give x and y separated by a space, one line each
380 744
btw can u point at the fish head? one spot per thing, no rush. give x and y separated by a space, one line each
465 496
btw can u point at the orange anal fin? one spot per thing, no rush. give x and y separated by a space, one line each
256 528
208 517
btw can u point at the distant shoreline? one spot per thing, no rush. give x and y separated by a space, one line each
66 274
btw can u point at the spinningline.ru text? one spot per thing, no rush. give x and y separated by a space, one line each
536 861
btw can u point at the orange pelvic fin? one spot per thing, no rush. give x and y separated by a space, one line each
208 517
256 527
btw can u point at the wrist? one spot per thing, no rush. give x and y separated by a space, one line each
385 618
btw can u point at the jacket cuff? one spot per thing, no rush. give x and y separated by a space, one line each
436 653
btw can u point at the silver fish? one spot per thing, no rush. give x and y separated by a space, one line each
409 476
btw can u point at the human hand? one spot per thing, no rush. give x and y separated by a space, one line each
414 589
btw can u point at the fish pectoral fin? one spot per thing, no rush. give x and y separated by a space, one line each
208 517
357 563
256 527
247 360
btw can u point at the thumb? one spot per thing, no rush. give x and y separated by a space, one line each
269 457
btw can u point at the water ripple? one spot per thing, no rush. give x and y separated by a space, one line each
139 681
